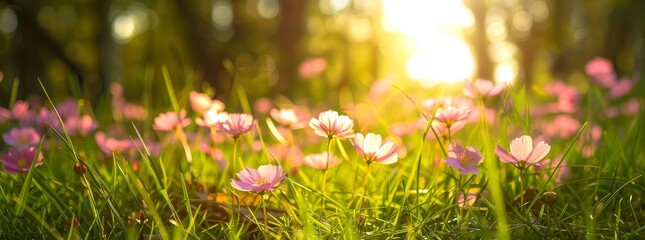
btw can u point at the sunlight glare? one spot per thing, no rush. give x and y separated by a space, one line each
435 29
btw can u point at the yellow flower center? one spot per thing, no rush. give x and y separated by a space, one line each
22 140
22 163
260 181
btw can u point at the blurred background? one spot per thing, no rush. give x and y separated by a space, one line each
280 47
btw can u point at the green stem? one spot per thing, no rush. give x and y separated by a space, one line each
184 143
234 160
522 189
365 180
264 211
324 180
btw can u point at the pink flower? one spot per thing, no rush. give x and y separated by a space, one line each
133 111
631 107
621 88
465 160
319 161
312 67
21 137
236 125
483 88
201 102
372 149
288 118
109 145
211 118
451 115
329 124
67 109
441 129
563 126
82 126
265 178
169 121
19 161
19 112
523 153
601 71
466 201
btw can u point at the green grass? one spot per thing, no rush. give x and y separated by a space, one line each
169 198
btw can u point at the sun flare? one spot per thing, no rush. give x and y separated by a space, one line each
434 29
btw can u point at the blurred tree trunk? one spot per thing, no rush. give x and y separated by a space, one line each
32 47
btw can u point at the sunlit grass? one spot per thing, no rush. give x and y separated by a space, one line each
154 192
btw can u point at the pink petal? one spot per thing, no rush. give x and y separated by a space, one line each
504 156
539 152
521 147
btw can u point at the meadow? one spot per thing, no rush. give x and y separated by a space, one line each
493 160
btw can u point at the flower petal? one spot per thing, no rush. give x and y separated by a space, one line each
504 156
521 147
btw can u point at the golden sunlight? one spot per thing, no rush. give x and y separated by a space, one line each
434 29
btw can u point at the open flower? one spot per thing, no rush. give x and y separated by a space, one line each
523 154
483 88
265 178
19 161
329 124
169 121
19 112
82 126
109 144
372 149
450 115
319 161
201 102
21 137
288 118
211 118
465 160
236 125
601 72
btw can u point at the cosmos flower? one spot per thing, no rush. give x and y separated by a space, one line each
483 88
21 137
236 125
319 160
523 154
372 149
601 72
67 109
20 160
464 160
265 178
169 121
109 145
451 115
621 88
288 118
201 102
329 124
82 126
211 118
19 112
